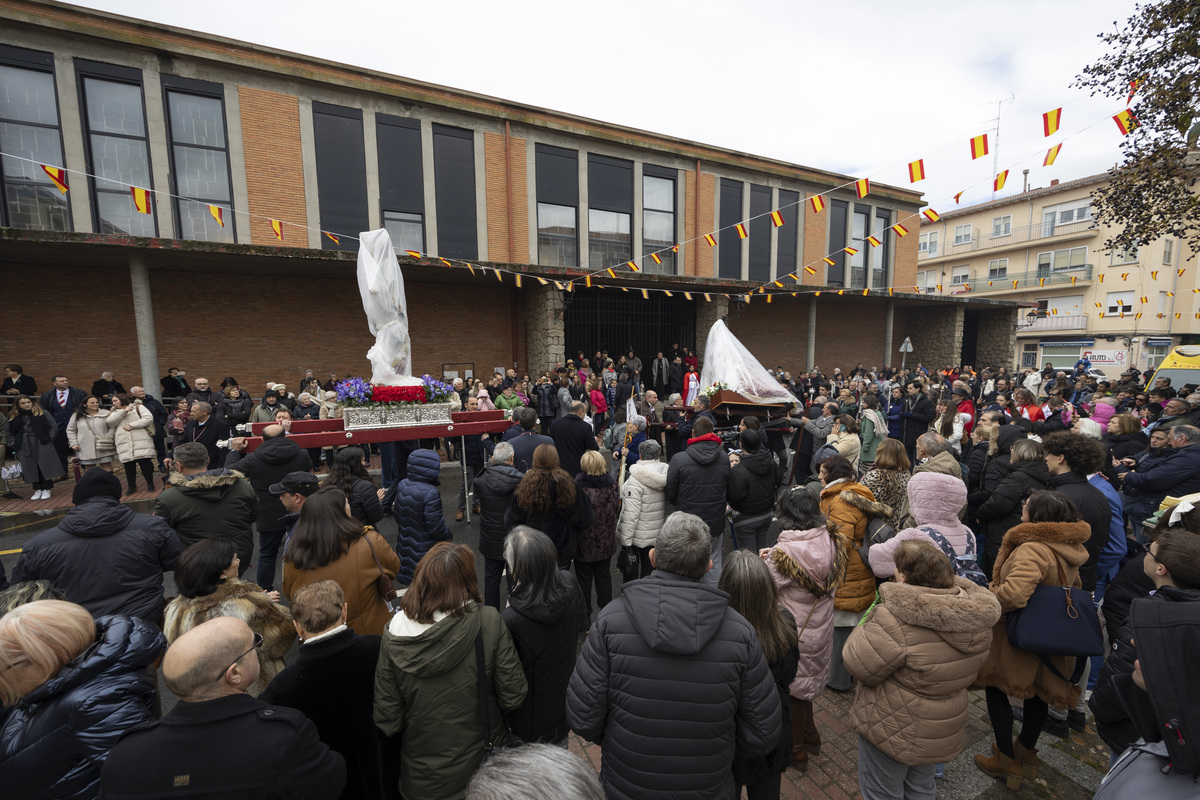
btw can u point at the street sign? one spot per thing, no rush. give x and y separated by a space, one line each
907 346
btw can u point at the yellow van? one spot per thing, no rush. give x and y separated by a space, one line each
1182 366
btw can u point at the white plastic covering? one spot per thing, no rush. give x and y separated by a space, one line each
727 361
382 288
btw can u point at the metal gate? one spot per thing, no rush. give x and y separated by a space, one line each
615 321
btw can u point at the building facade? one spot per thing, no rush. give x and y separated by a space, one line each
260 168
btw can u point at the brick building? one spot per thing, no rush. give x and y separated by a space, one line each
205 123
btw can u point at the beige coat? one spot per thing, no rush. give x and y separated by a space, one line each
136 443
847 444
92 435
915 656
1027 560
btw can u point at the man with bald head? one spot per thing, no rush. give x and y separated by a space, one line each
266 466
219 741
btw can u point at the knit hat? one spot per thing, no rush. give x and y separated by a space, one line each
96 483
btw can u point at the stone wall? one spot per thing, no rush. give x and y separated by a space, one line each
543 311
936 332
706 314
997 340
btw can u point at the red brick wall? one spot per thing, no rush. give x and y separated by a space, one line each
815 244
500 217
274 165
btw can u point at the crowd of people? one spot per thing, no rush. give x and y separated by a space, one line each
916 514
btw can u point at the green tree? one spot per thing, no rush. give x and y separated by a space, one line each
1153 190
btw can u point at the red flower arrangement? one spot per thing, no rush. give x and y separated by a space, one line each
398 394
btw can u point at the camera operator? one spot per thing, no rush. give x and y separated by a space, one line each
699 410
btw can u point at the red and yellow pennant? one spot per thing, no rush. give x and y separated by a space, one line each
141 199
916 170
413 253
851 251
958 197
518 277
1133 87
447 264
1180 272
1051 154
1124 276
1153 274
277 228
817 202
899 230
979 146
655 257
587 281
674 248
777 219
57 176
1051 121
998 183
810 270
1126 121
1143 299
1102 278
610 272
633 266
332 238
687 295
712 240
741 231
930 215
218 214
873 241
541 280
862 187
829 261
645 294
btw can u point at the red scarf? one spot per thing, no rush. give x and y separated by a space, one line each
708 437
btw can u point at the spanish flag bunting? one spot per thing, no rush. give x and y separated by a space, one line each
218 214
500 277
674 248
862 187
1153 274
1054 311
1124 276
939 287
558 285
998 183
541 280
657 260
762 289
1138 315
851 251
518 281
587 281
1041 282
958 197
687 295
890 291
57 176
917 289
1195 291
610 272
708 297
1101 315
989 283
746 298
413 253
966 287
1126 121
768 298
916 170
712 240
866 292
1133 87
1160 315
1102 278
873 241
1051 154
777 219
1051 121
1144 299
930 215
1179 272
332 238
841 292
645 294
141 199
1073 279
447 263
633 266
829 261
1099 305
624 288
277 228
810 270
741 231
817 293
899 230
979 146
778 283
1015 283
1178 314
817 202
470 267
571 286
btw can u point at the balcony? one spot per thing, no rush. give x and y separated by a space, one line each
1025 281
984 240
1056 322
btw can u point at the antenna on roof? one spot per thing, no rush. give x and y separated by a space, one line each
996 151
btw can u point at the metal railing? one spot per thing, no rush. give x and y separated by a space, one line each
1057 322
1004 283
986 239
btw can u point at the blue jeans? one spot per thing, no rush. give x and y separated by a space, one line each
268 555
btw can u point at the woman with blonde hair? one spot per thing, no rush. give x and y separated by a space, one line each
89 436
597 541
70 687
547 500
133 428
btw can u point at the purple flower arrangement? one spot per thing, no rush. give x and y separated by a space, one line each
357 393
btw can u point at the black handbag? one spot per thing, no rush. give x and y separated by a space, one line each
1058 621
627 562
508 738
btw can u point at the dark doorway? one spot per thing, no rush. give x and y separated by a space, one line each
613 320
970 338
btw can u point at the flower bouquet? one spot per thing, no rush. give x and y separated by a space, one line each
711 390
376 406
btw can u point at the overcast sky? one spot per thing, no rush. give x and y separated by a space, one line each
855 87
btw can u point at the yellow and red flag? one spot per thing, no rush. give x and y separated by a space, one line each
1143 299
1124 276
1133 87
841 292
979 146
218 214
862 188
1180 272
741 231
712 240
930 215
829 261
58 177
1051 121
277 228
657 260
899 230
500 278
1102 278
851 251
810 270
1153 274
674 248
916 170
687 295
998 183
447 263
866 292
1126 121
633 266
610 272
958 197
518 281
817 202
587 281
1051 154
707 297
141 199
1041 282
332 238
541 280
873 241
777 219
413 253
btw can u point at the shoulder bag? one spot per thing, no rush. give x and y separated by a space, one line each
508 738
1058 621
965 565
383 584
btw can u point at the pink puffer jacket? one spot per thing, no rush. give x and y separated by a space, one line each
935 500
808 566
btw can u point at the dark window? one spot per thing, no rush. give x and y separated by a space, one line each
557 172
760 233
29 128
658 218
858 240
454 187
114 121
401 181
610 211
199 159
789 234
879 255
341 174
729 262
838 211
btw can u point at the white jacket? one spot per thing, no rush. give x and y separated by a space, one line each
92 435
136 443
644 506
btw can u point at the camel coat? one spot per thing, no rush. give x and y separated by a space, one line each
848 505
135 444
914 657
92 435
1026 561
356 573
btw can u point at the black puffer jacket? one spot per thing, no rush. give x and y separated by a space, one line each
547 400
560 524
670 669
106 557
546 636
364 502
697 481
494 489
1002 509
267 465
55 740
418 512
1094 510
752 483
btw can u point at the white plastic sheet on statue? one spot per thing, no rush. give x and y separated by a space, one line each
727 361
382 288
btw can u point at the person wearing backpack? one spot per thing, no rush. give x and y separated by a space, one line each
935 500
1046 549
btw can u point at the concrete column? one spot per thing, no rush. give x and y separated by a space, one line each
160 164
431 232
71 120
241 224
371 149
743 248
811 345
143 318
888 319
774 268
637 217
308 151
481 212
584 227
